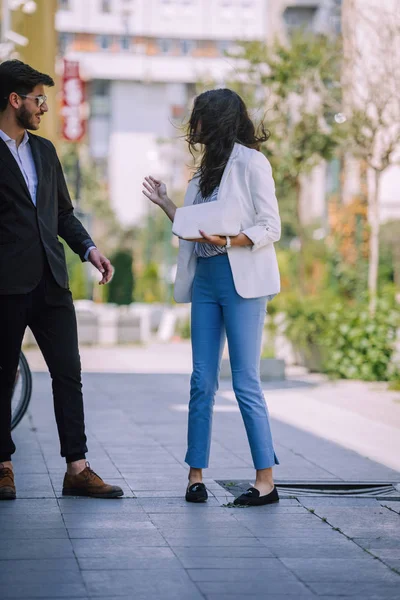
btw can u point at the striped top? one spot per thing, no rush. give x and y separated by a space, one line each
207 250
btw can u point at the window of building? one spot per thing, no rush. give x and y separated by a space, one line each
224 46
105 6
65 41
336 19
139 47
100 98
227 9
64 4
299 17
187 46
99 122
168 7
104 41
125 43
188 6
165 46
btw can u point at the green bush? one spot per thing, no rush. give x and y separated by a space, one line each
394 385
148 285
78 282
120 288
306 319
361 346
184 329
350 343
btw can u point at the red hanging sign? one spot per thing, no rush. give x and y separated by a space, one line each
73 104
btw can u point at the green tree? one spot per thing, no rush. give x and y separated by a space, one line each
298 84
76 272
120 288
371 83
148 286
90 195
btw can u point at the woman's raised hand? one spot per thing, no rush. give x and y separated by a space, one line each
155 190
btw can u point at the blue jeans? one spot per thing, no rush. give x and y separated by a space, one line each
217 309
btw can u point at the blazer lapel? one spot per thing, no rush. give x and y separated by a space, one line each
9 160
37 159
191 191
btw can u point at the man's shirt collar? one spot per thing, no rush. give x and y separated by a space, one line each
6 138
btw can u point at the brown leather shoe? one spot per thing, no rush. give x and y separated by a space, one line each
7 485
88 483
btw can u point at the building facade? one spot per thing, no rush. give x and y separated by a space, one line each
141 59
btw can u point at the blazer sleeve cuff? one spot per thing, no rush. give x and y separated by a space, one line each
258 234
88 245
88 252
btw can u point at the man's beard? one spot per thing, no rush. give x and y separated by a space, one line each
25 119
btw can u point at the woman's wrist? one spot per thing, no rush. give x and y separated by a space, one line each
241 240
168 207
165 202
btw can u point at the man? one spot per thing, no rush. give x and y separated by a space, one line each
35 208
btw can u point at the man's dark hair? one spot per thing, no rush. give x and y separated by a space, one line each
16 76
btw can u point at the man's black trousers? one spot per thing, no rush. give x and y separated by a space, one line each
49 312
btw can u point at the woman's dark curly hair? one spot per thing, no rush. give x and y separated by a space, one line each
223 119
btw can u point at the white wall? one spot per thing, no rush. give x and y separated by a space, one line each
197 19
313 193
140 118
180 69
390 195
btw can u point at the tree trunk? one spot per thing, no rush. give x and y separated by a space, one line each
373 209
301 237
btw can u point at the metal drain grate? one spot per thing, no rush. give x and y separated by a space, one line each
381 490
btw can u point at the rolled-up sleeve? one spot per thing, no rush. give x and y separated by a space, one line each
267 227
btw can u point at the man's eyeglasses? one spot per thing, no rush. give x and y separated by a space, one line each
39 99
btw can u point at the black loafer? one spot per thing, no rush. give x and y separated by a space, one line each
252 498
196 492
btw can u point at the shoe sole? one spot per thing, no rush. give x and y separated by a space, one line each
8 496
255 503
197 500
116 494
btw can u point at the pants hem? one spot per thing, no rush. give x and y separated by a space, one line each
196 466
261 466
5 458
74 457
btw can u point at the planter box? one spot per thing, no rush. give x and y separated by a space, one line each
311 358
271 369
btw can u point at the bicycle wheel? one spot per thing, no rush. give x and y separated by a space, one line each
22 391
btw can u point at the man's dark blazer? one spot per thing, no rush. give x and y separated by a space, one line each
28 234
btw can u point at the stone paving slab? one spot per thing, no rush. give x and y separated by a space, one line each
143 584
152 545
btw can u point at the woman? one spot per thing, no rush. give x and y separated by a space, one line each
228 281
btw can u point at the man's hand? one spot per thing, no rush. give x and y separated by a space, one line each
102 264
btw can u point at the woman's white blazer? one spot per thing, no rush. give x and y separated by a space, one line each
247 185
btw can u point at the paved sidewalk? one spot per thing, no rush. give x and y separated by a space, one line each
151 545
